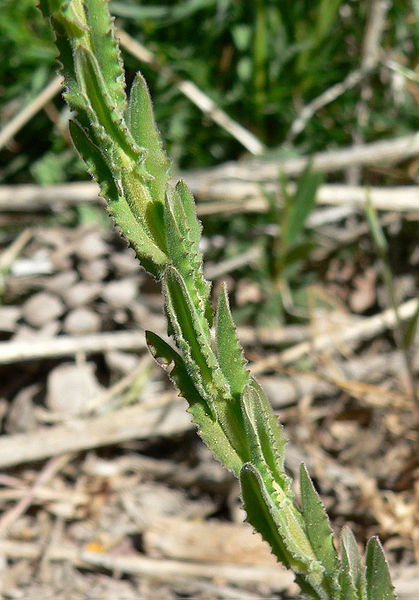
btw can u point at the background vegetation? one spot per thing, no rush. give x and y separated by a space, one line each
260 61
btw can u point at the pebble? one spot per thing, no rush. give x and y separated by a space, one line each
125 263
120 294
60 283
81 293
91 246
95 270
81 321
70 387
42 308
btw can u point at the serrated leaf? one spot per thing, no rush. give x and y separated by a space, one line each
106 50
183 253
194 341
265 435
173 363
229 351
352 576
148 253
94 160
278 527
65 58
140 119
257 505
147 211
191 338
193 230
71 14
209 429
379 586
318 528
94 89
192 223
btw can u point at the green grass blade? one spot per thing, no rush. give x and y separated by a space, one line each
377 233
302 204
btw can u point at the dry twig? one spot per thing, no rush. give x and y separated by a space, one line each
30 111
48 471
359 331
226 196
160 569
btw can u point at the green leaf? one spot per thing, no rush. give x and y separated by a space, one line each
72 16
106 50
148 253
258 504
173 363
298 253
229 351
326 14
140 120
209 429
302 204
280 528
184 253
318 527
352 576
265 435
65 58
193 338
103 112
379 586
193 227
94 161
192 232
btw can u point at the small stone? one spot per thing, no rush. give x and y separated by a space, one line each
9 316
81 293
21 417
147 319
91 246
123 362
51 329
70 387
42 308
24 332
60 283
125 263
54 237
81 321
364 295
95 270
61 258
120 294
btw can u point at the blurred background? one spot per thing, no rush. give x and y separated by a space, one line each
296 126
